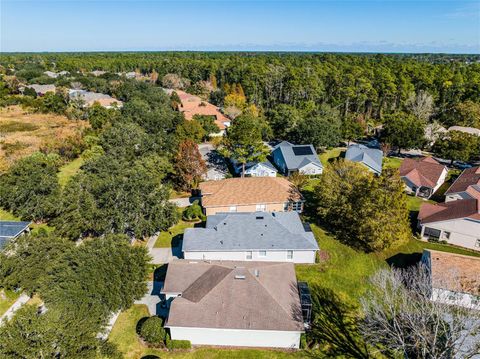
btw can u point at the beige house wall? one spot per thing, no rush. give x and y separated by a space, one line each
269 207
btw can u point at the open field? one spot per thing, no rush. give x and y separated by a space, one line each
22 133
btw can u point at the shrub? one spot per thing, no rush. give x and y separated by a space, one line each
193 212
178 344
152 330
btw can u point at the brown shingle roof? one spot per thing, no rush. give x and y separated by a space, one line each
469 177
455 272
194 105
230 295
248 191
467 208
424 172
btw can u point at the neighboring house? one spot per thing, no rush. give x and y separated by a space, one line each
455 222
469 130
97 73
371 158
193 105
256 236
42 89
291 158
54 75
466 186
89 98
250 194
423 176
255 169
246 304
10 230
455 278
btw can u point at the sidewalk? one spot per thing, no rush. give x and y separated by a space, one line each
15 306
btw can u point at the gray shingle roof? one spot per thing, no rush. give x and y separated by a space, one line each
370 157
272 231
10 230
296 161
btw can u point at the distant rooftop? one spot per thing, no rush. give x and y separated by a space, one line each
297 156
370 157
10 230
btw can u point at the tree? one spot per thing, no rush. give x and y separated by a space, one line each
467 113
98 116
190 129
243 142
152 331
457 145
208 124
189 166
404 131
321 130
402 321
352 129
283 119
174 81
30 188
365 211
420 105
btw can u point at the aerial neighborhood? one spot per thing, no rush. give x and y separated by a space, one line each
155 204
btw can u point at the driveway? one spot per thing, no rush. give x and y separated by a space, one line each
152 299
163 255
216 166
183 202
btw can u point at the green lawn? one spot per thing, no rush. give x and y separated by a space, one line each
125 337
328 155
175 233
69 170
10 298
414 203
392 162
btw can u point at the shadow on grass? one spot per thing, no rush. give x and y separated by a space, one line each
138 327
404 260
335 326
151 356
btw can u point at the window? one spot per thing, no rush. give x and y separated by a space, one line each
233 208
446 235
261 207
262 253
289 254
249 255
293 206
431 233
477 243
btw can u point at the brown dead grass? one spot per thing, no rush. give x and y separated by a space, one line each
24 133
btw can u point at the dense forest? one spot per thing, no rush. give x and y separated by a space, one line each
371 85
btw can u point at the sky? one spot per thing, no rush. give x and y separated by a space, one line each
345 26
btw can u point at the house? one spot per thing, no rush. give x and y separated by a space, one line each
422 177
466 186
41 90
89 98
250 194
371 158
455 222
192 105
246 304
255 169
10 230
97 73
469 130
255 236
54 75
454 278
291 158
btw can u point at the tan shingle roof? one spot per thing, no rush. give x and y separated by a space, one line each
424 172
248 191
469 177
455 272
230 295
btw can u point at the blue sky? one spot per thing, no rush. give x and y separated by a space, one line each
374 26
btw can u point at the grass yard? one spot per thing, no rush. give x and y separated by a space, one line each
8 216
69 170
329 155
7 298
173 234
392 162
125 337
414 203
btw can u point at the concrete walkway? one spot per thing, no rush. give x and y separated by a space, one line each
15 306
152 299
183 202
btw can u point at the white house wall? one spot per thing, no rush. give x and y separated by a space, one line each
260 171
271 256
311 169
455 298
237 337
463 232
441 180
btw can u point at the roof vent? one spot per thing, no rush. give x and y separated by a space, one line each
259 217
239 276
